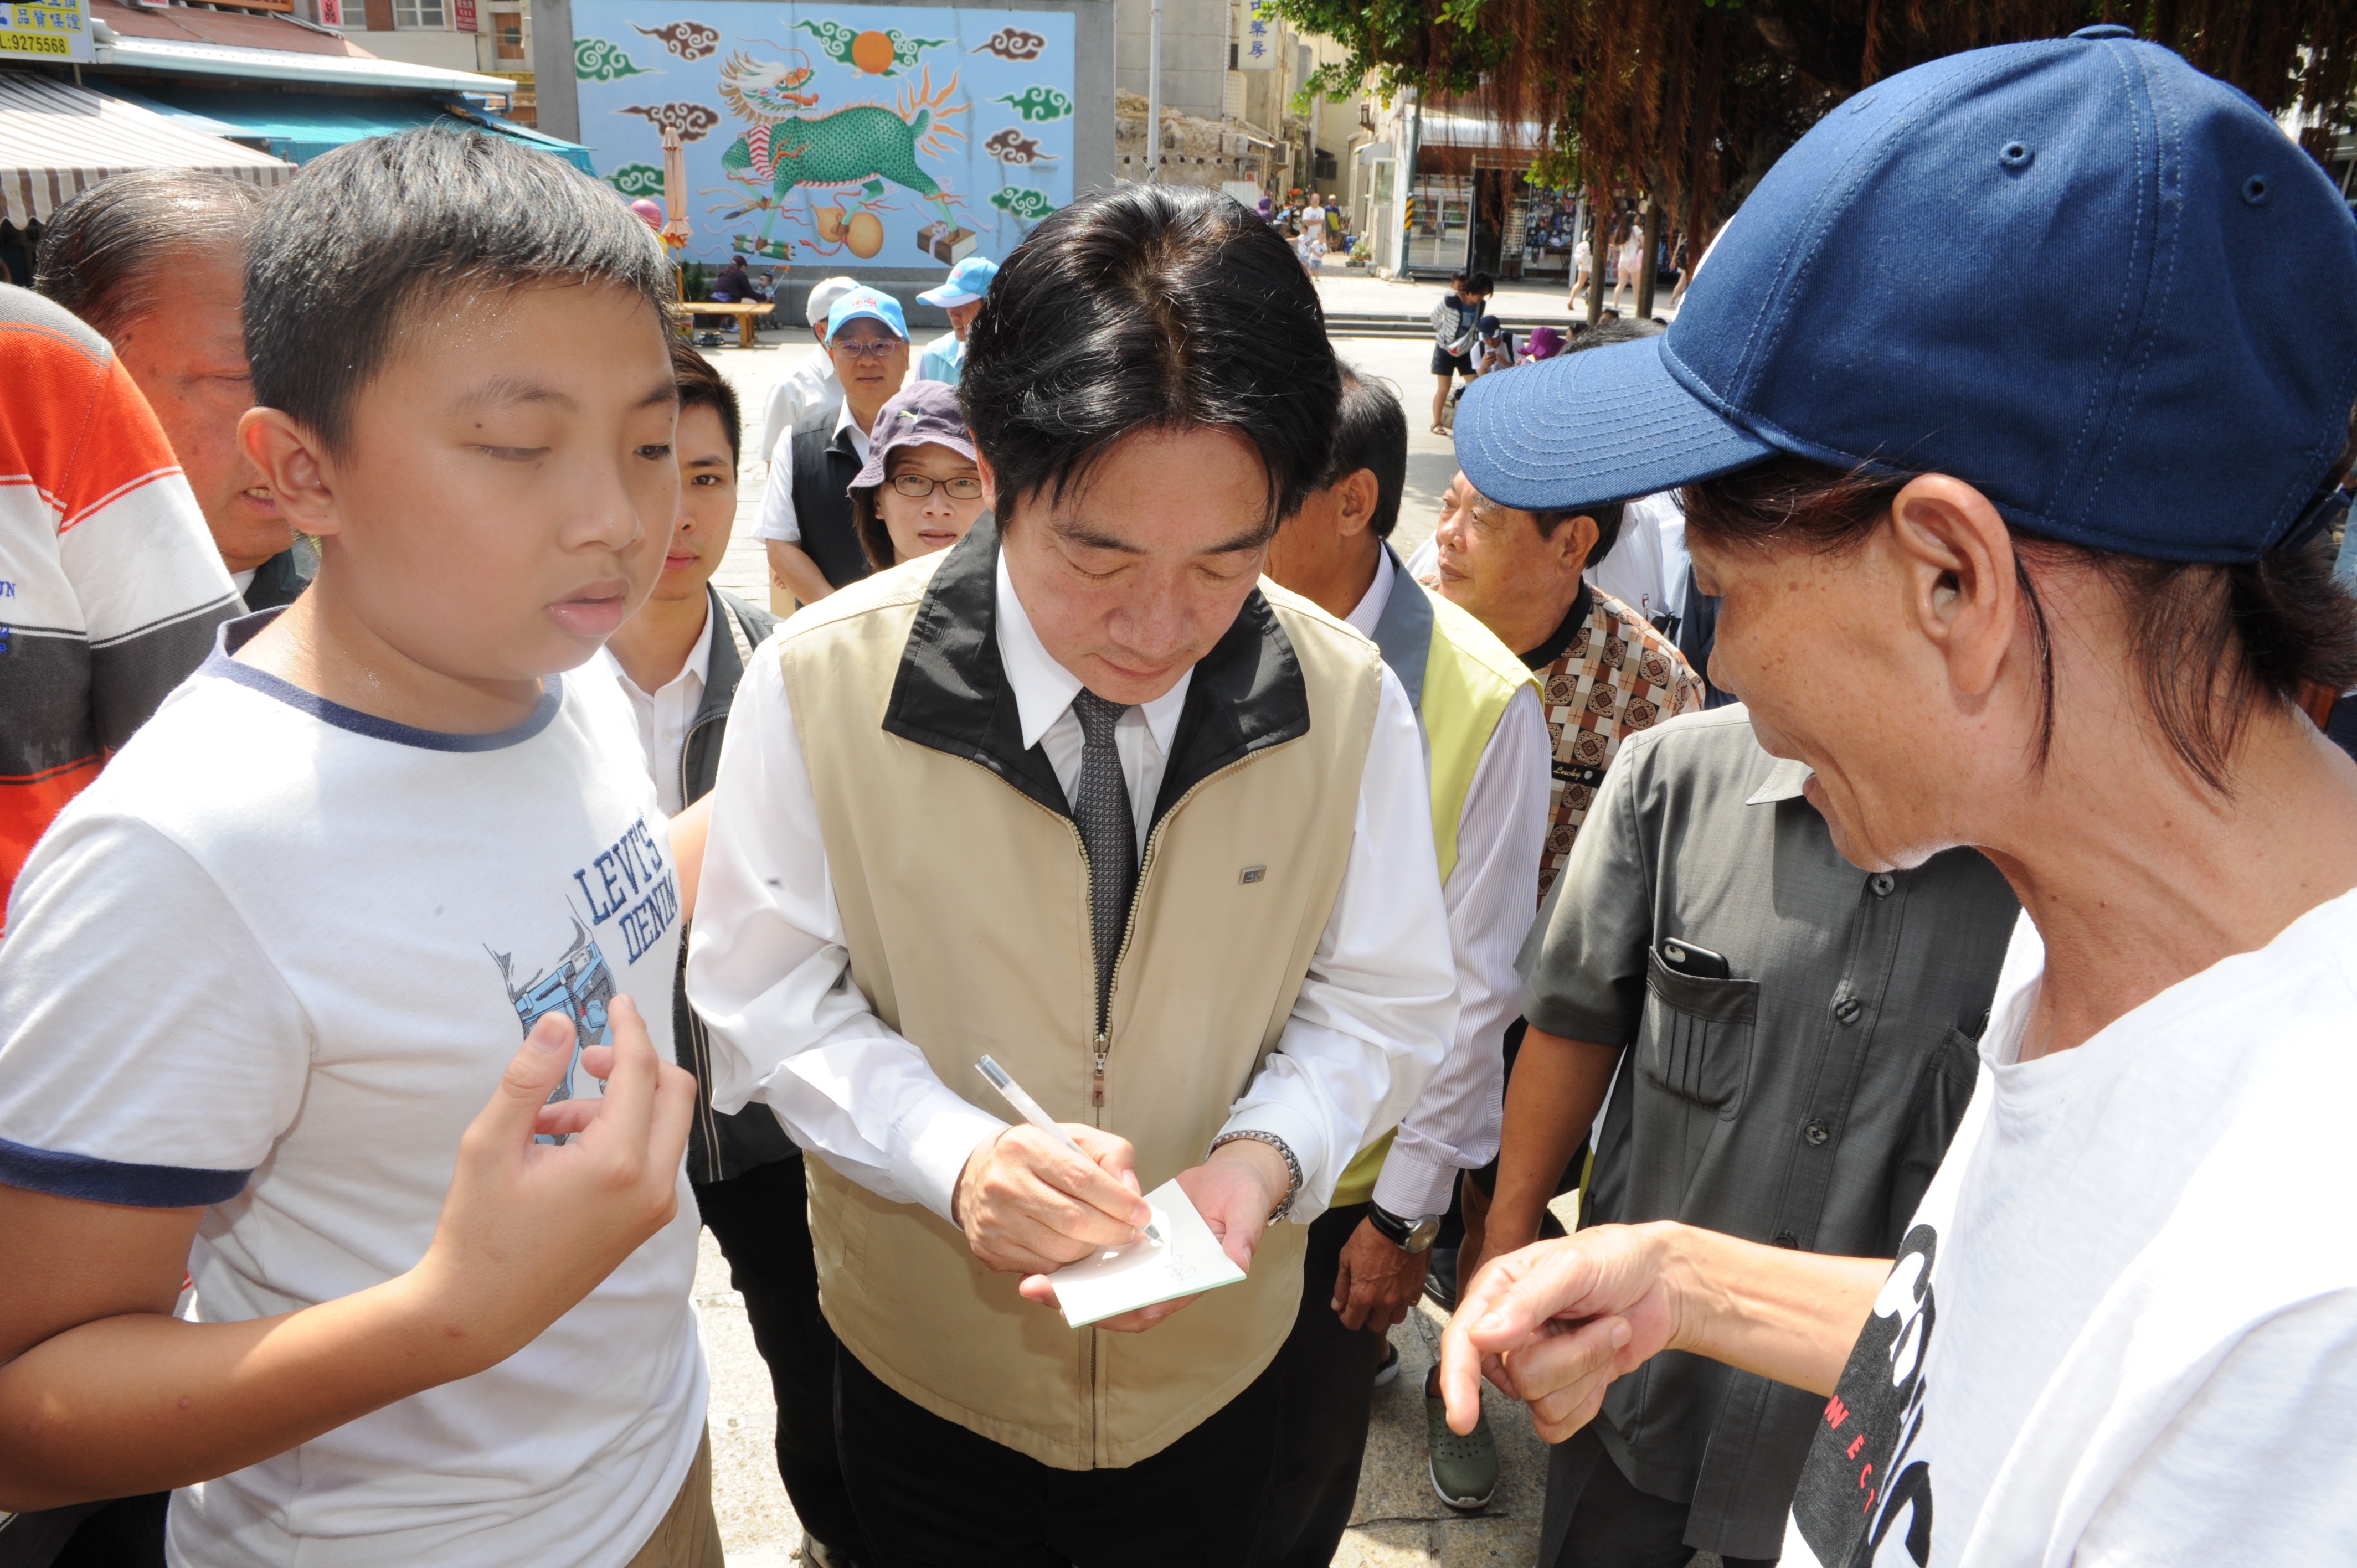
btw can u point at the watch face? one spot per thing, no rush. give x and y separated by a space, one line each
1420 1238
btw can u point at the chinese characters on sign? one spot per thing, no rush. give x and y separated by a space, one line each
463 15
51 29
1257 49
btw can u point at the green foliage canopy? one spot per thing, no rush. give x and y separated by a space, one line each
1691 100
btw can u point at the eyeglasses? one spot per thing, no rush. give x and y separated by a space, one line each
866 349
964 488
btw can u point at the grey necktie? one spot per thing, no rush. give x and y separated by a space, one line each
1108 831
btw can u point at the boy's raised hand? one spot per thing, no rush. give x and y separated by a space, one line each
530 1229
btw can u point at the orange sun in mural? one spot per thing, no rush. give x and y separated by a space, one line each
872 52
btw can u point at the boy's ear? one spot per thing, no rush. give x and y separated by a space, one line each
301 476
989 483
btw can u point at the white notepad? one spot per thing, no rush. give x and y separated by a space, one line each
1188 1260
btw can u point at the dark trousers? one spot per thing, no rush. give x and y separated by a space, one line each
931 1493
1326 1375
761 1221
1594 1519
125 1534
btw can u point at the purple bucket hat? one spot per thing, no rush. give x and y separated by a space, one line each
919 415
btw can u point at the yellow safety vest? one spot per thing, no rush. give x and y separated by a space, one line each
1461 678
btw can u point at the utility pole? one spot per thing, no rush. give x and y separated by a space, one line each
1154 93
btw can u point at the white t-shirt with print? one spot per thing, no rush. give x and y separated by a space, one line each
273 963
2123 1328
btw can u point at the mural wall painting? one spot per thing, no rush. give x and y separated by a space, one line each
841 136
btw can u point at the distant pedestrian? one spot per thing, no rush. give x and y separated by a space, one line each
1456 324
804 520
1630 260
960 297
1494 350
734 285
812 387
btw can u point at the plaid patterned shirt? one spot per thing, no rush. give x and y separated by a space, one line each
1605 674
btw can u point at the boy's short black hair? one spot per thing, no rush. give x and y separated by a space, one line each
365 233
1371 433
1149 308
700 386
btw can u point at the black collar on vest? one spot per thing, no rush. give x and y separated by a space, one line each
951 693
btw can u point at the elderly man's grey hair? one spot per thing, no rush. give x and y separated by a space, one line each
105 255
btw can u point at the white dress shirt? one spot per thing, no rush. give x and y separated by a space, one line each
664 714
769 972
1492 896
1646 569
811 387
776 518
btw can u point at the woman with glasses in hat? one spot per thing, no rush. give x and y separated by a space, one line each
920 490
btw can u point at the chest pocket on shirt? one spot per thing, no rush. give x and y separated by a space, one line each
1698 1035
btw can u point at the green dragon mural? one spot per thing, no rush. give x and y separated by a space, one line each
853 145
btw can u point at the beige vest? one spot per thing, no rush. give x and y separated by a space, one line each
964 898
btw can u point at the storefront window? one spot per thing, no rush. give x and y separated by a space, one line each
1545 228
1442 227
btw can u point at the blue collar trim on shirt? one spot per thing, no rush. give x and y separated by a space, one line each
93 1180
234 635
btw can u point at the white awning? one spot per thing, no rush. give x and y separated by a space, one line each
57 141
287 65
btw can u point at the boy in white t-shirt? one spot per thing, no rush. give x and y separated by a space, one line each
2048 582
262 977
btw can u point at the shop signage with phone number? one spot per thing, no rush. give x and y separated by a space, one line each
45 29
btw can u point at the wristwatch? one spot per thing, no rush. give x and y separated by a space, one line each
1407 1235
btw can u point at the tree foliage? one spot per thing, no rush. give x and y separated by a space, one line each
1691 100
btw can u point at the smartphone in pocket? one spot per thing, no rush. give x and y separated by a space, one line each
1680 956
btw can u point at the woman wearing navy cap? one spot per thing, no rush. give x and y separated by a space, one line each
2017 550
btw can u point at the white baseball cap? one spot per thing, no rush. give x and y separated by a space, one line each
823 295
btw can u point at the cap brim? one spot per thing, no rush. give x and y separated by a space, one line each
948 296
1592 426
898 330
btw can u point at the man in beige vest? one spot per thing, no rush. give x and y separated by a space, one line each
1085 795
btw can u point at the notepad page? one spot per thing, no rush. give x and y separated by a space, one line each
1188 1260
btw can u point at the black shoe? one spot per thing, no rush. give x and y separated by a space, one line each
1388 1368
1440 1279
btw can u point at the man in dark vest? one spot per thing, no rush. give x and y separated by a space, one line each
805 520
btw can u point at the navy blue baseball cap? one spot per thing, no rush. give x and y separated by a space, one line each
2102 288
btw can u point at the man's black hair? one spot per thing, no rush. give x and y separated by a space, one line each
1371 433
1615 329
1483 283
367 233
701 386
1148 307
108 254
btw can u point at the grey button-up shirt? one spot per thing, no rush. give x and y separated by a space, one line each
1804 1101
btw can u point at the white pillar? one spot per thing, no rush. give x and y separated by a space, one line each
1154 93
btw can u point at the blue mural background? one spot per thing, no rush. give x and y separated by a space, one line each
839 137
